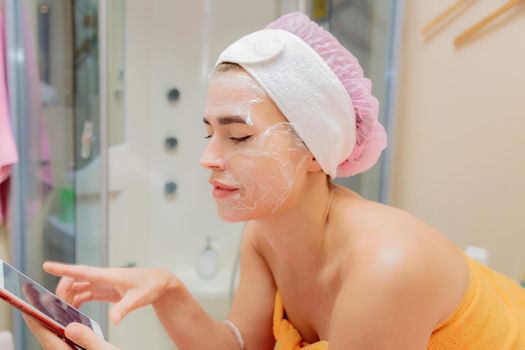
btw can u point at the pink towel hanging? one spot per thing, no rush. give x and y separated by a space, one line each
8 153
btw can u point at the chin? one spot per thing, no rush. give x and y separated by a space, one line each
236 215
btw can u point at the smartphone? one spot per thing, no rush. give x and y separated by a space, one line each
36 301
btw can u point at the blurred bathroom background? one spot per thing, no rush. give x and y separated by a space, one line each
106 99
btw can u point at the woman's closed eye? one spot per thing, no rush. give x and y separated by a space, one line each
240 139
234 139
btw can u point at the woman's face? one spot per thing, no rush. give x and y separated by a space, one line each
253 153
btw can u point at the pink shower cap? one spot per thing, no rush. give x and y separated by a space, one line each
370 134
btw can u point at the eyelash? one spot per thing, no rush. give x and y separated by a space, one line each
234 139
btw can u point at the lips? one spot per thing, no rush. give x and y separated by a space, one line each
220 185
221 191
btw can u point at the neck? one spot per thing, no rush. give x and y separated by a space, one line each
297 231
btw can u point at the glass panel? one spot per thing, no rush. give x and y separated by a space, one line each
116 71
56 202
365 28
89 177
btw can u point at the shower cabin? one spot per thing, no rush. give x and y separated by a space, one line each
58 207
106 101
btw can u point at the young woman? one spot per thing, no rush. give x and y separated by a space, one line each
288 110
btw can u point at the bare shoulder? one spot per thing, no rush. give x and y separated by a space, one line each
383 236
396 268
389 302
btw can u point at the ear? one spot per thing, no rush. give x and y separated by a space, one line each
313 165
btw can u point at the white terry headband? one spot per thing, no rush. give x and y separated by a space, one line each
304 88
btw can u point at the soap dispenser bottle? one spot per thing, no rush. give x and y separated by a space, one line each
207 265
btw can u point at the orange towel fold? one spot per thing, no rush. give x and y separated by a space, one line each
491 315
286 336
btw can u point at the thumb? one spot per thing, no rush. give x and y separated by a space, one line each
86 338
127 304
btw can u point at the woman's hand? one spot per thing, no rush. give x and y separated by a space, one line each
128 288
76 332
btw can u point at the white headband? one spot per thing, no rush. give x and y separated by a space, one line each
304 88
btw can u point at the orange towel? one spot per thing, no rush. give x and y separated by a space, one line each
286 336
490 317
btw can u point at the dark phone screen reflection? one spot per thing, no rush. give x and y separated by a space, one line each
43 300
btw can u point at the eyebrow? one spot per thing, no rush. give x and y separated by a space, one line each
227 120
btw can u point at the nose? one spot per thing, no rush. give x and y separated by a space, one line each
211 158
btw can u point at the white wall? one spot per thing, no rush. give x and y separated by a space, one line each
164 49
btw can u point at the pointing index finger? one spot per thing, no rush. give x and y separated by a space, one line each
79 272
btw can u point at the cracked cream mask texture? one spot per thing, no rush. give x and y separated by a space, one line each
253 152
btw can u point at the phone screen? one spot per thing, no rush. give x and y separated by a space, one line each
40 298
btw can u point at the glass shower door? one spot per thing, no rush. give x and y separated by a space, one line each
58 186
370 29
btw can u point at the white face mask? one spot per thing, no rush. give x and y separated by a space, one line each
257 174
